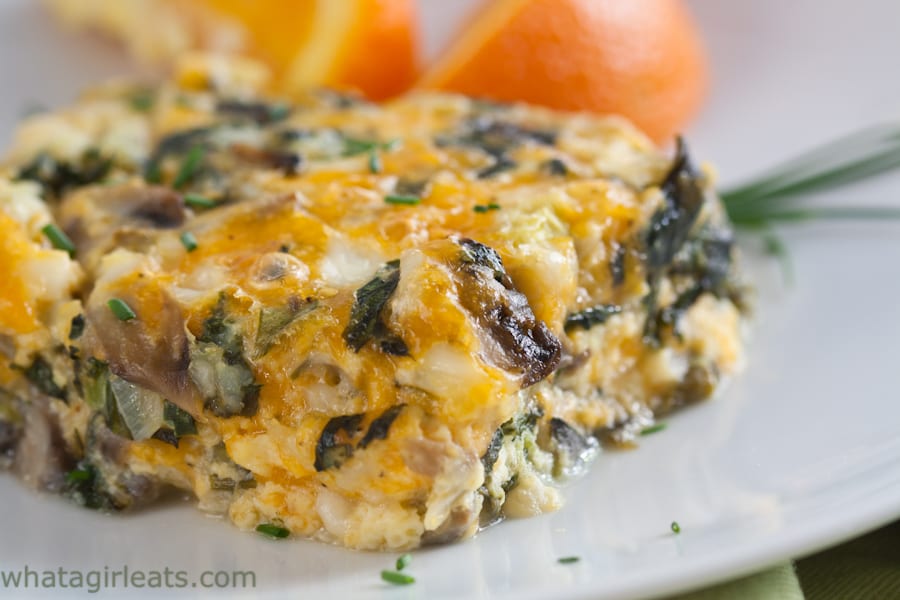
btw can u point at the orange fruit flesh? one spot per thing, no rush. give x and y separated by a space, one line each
368 45
639 58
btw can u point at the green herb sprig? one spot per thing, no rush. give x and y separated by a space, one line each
767 199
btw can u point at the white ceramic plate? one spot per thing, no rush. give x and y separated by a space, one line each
800 452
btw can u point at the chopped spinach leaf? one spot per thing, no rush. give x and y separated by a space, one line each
391 343
262 113
181 421
369 301
76 328
501 164
555 166
79 475
273 320
595 315
219 369
617 265
670 228
82 486
671 225
331 452
496 137
379 428
40 373
94 378
166 435
57 177
706 260
493 451
228 484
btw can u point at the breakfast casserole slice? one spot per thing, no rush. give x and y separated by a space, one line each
376 325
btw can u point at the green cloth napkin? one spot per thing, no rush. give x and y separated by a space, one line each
867 567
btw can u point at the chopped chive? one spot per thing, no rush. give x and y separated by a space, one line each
483 208
119 308
397 578
374 161
402 199
198 201
354 146
273 531
403 561
189 166
568 560
77 475
676 528
653 429
58 238
189 241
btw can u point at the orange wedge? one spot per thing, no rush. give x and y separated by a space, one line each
643 59
364 44
369 45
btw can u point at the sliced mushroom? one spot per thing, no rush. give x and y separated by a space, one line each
513 337
150 352
120 215
42 458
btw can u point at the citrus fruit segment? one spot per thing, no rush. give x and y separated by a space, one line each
643 59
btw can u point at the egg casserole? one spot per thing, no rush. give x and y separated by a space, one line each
380 326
